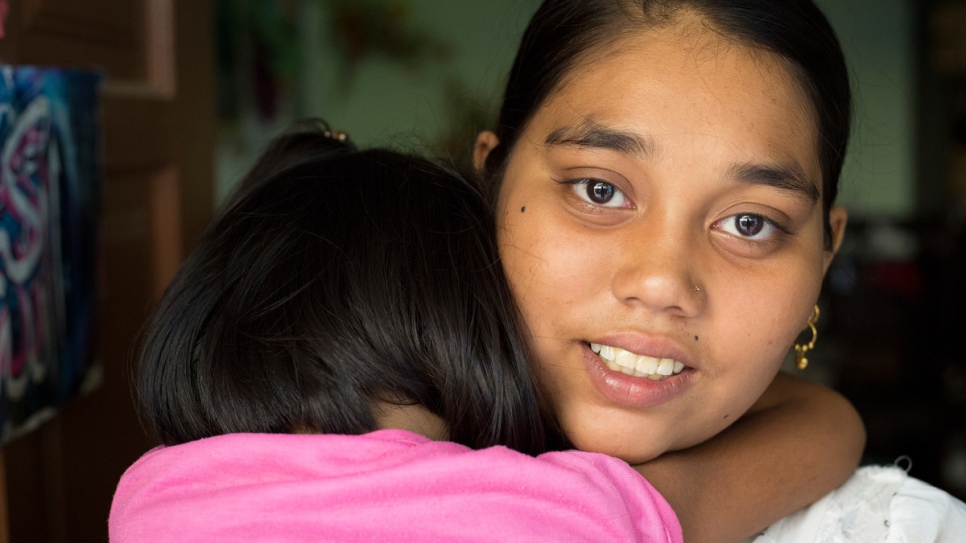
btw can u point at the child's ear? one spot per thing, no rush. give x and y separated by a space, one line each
838 218
485 142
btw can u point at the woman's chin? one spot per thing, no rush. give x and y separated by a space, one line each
633 448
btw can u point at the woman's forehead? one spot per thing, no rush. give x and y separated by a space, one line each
663 83
688 54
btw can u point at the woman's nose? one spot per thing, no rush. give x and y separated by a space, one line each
658 272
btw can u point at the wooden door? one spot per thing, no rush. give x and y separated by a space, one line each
158 120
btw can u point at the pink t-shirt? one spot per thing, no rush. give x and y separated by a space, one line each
390 485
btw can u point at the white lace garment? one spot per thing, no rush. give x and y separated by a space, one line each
876 505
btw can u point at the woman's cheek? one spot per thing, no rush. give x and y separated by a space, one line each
547 263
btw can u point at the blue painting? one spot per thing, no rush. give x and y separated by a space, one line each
50 178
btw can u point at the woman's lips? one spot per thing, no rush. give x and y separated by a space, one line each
633 391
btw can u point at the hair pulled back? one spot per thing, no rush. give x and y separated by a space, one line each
333 279
564 33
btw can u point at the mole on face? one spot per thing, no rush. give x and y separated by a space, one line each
695 338
523 209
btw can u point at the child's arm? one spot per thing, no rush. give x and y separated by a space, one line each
797 443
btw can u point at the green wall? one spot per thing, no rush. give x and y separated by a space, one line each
389 104
879 44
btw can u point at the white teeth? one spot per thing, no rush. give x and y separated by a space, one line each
626 359
607 352
629 363
646 364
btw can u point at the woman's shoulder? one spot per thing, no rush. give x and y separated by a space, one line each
878 503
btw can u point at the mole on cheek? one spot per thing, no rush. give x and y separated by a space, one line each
523 209
695 338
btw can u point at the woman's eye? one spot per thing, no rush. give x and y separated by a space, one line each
599 193
749 226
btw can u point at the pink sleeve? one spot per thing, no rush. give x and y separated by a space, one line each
385 486
649 512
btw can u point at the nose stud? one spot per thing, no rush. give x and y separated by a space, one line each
697 288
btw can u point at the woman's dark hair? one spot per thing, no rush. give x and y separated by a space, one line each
564 33
332 280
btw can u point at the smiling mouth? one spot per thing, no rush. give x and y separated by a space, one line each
635 365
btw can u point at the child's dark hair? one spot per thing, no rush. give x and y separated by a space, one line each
334 279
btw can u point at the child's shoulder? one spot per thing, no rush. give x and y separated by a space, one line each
244 482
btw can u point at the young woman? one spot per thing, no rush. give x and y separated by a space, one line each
619 228
665 174
339 293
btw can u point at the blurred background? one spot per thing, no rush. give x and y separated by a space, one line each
195 89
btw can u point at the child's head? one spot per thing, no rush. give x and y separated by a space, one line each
334 280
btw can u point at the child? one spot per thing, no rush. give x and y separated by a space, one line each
345 310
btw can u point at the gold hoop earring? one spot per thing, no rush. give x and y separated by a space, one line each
800 361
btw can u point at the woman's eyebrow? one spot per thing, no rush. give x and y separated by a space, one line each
593 134
787 177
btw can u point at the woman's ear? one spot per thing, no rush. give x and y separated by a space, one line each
485 142
838 218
